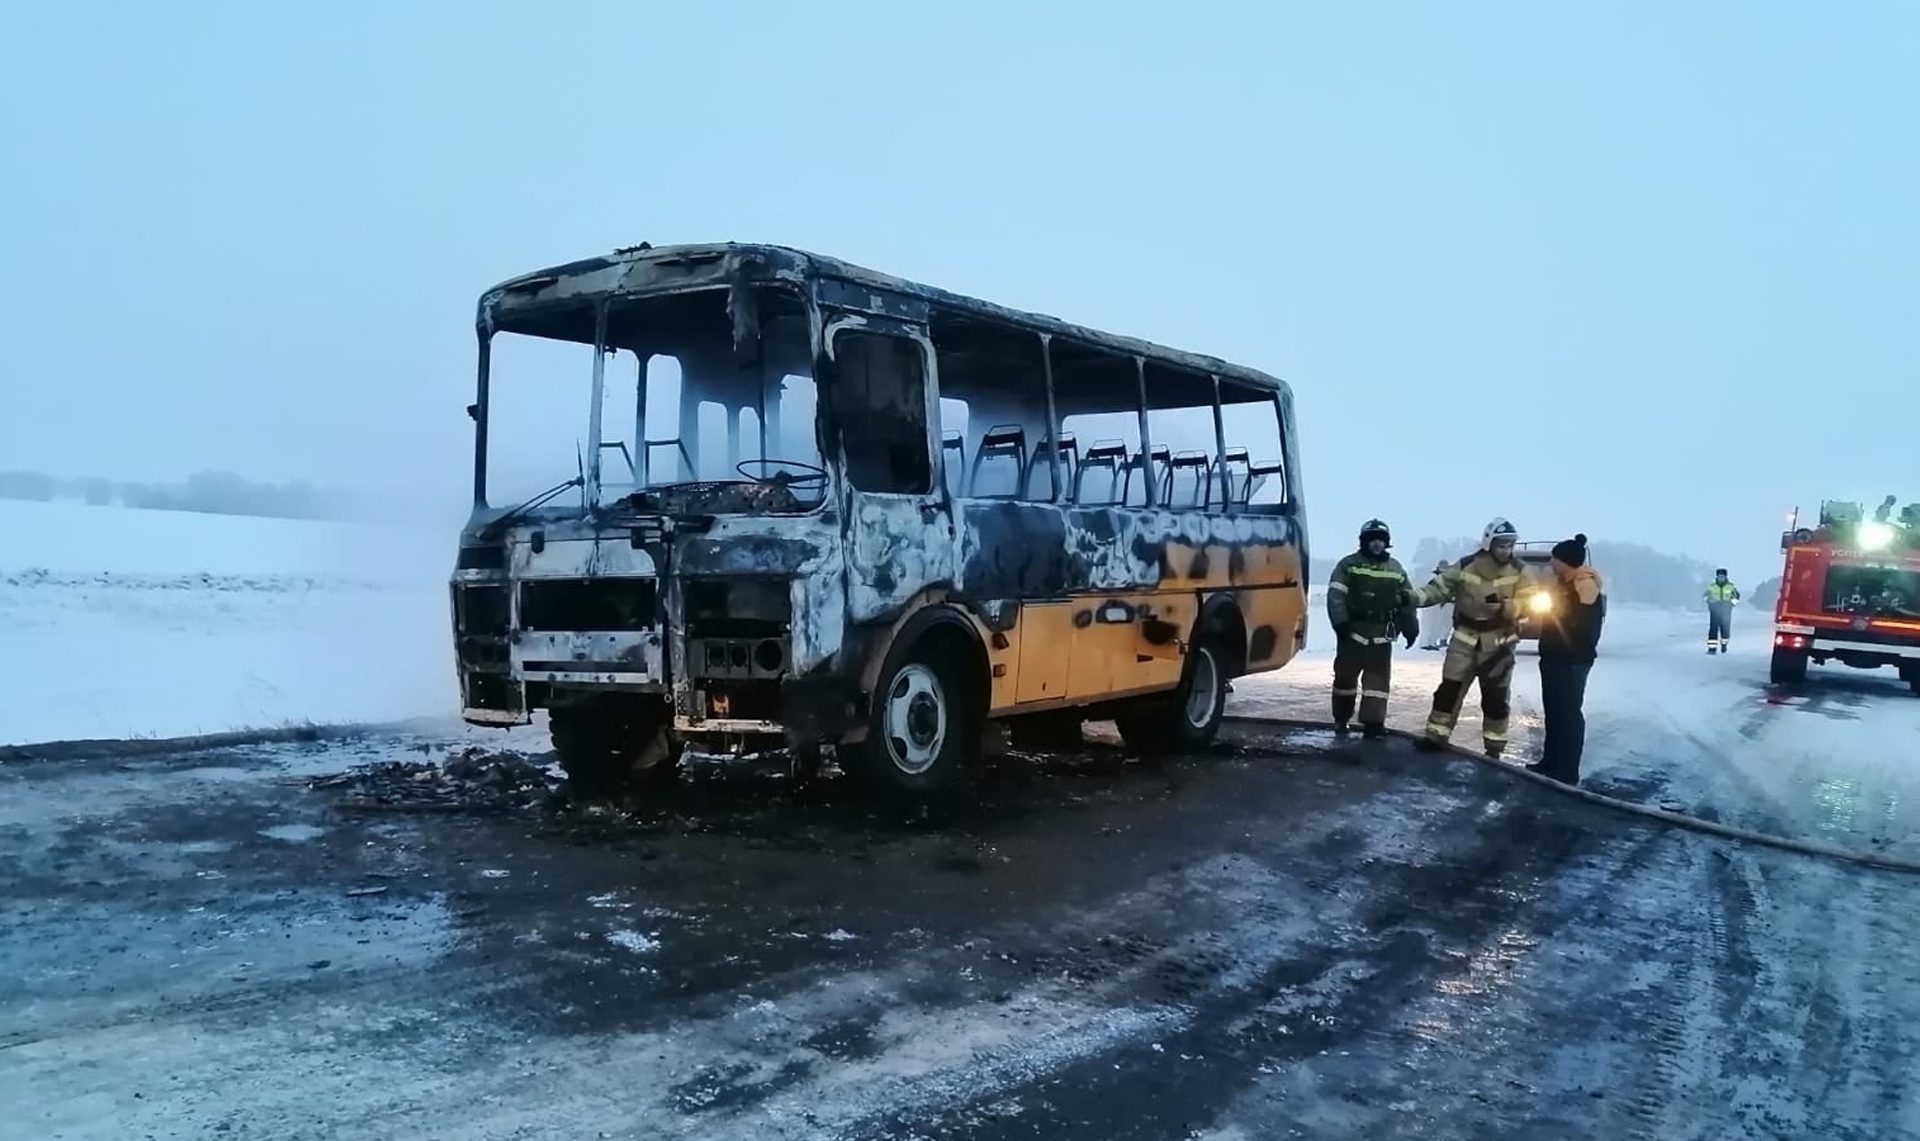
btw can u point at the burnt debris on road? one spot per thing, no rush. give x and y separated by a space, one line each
1255 942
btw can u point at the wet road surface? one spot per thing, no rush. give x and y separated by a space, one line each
1286 938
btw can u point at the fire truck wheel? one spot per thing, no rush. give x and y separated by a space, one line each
1789 668
1191 719
606 746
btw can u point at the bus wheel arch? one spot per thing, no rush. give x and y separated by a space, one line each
924 706
924 612
1222 626
1187 719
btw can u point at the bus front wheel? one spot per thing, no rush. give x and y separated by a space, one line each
1187 720
922 724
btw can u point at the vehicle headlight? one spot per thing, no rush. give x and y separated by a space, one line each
1874 536
1541 604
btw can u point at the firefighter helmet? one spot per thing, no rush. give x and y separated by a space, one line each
1375 529
1498 531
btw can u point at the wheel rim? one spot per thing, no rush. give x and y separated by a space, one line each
1201 696
916 719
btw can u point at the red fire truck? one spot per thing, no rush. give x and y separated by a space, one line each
1850 593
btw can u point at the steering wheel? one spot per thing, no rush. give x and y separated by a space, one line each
807 474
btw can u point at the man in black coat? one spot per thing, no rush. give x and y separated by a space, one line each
1569 644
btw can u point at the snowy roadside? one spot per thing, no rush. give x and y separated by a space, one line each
125 623
122 623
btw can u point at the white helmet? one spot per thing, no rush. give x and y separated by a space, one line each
1497 530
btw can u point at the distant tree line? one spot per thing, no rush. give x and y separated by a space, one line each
208 492
1634 573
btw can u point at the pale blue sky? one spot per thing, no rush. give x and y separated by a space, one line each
1651 273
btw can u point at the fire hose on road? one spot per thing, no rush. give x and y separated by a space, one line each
1676 819
72 750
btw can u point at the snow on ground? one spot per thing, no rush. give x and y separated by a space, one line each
120 622
1668 723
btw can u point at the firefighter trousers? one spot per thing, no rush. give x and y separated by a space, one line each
1486 657
1362 672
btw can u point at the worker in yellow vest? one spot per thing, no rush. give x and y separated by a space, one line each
1722 596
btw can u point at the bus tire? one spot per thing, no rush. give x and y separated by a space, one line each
607 746
1189 719
1788 668
923 721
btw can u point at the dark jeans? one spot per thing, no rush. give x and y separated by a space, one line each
1563 690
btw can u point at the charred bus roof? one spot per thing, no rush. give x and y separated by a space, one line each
515 304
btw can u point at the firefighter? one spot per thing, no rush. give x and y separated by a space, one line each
1437 623
1721 597
1486 618
1367 604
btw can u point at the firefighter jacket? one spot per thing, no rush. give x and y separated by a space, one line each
1469 584
1367 597
1722 592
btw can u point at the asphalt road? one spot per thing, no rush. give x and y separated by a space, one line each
1286 938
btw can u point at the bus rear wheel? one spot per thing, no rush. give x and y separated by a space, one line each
1788 668
1188 719
607 746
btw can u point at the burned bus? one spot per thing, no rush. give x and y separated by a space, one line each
786 502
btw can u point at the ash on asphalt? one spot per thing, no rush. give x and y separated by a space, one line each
738 873
1289 932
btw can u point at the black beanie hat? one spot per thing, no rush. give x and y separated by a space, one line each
1572 552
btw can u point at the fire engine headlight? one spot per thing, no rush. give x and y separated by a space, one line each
1875 536
1541 604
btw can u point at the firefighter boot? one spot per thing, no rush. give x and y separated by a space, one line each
1494 749
1372 731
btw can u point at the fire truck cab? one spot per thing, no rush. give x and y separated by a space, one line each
1850 592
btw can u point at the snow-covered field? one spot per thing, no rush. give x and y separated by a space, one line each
119 622
126 623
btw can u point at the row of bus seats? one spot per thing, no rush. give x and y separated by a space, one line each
1108 474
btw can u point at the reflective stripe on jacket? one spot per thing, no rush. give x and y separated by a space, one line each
1468 583
1365 595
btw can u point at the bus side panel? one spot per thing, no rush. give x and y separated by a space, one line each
1272 598
1157 564
1044 636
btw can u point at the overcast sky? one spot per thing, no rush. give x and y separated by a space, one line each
1651 274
